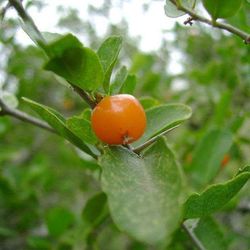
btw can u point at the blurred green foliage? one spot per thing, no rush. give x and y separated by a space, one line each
45 182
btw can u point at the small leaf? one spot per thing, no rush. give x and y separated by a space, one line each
210 234
143 192
86 114
148 102
120 78
222 8
208 156
81 128
58 44
58 220
94 211
215 197
57 121
108 53
80 66
128 86
163 117
172 11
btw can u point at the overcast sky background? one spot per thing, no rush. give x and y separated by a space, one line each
148 25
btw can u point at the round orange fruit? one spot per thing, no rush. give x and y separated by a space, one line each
118 119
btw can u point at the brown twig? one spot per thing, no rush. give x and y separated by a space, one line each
24 117
17 5
193 237
84 95
224 26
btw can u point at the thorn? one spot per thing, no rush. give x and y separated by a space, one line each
189 21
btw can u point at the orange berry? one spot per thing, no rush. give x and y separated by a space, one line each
189 158
68 104
118 119
225 160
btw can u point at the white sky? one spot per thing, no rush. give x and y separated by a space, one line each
148 25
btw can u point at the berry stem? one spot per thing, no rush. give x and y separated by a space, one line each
152 140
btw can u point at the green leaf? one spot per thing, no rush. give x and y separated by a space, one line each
148 102
172 11
223 108
36 242
94 211
58 221
128 86
81 127
163 117
120 78
210 234
108 53
215 197
222 8
143 192
51 37
58 44
7 232
208 156
80 66
57 121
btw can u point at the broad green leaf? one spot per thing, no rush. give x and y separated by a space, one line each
208 155
215 197
120 78
81 127
222 8
79 65
94 211
38 242
58 220
57 45
52 37
144 193
108 53
210 234
57 121
128 86
223 108
163 117
172 11
148 102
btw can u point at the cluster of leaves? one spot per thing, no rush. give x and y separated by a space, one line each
147 195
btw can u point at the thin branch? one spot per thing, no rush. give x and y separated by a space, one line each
245 36
24 117
84 95
28 21
152 140
4 10
193 237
